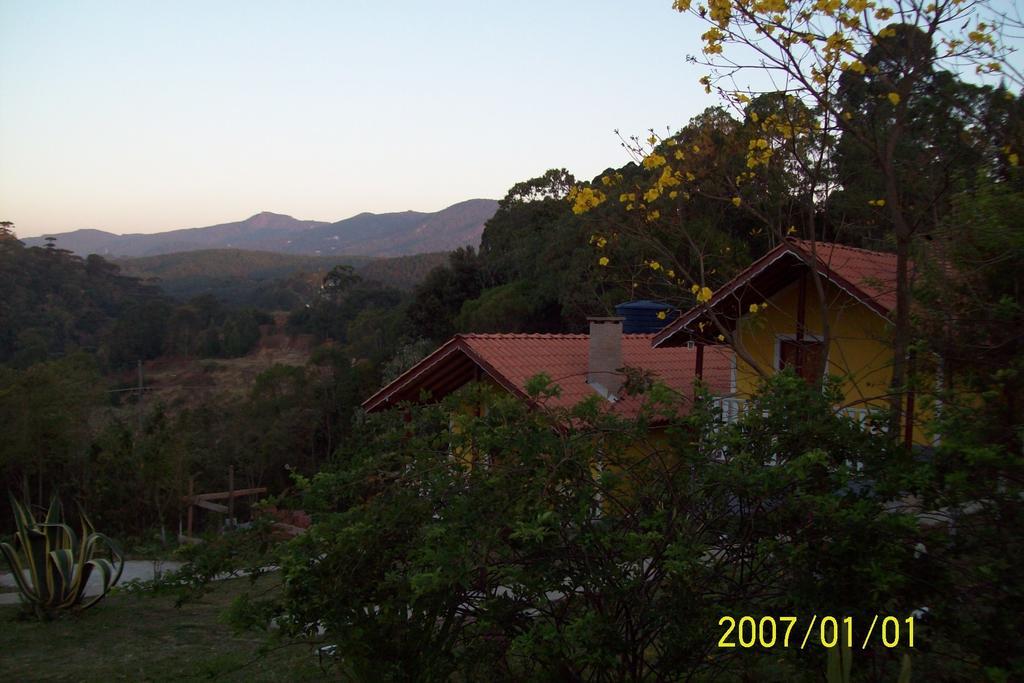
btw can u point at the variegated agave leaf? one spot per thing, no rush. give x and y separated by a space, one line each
54 564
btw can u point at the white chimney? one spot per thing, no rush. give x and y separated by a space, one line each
604 360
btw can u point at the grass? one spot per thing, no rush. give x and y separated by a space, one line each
143 637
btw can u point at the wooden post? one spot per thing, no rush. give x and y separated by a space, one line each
801 313
231 495
138 404
908 430
191 492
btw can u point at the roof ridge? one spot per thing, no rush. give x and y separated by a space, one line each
518 335
839 245
543 335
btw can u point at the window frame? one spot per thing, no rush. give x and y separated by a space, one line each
792 337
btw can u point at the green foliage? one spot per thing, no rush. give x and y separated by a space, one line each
949 132
438 299
971 324
55 303
342 297
45 410
514 307
554 545
268 280
52 564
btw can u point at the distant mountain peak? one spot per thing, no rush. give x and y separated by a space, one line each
267 219
366 234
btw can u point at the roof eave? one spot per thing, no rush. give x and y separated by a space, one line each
382 397
682 323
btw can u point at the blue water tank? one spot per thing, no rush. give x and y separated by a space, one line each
641 317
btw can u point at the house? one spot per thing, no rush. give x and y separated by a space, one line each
582 365
815 307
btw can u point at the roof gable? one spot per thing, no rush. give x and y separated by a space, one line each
867 276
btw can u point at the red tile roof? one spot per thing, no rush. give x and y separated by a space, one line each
512 359
873 273
868 276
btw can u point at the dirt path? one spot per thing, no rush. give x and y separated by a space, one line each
133 569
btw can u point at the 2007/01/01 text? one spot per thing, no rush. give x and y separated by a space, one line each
827 631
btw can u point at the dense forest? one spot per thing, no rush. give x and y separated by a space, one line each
404 530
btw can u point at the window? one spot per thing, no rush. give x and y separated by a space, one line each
806 364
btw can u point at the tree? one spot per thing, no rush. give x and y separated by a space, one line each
810 46
543 544
808 54
438 299
339 279
45 411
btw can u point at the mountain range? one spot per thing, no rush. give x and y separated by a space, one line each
366 234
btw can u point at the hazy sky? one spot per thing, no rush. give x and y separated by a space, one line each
141 117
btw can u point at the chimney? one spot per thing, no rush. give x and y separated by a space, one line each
604 360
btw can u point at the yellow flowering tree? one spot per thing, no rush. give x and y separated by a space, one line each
810 55
696 206
808 46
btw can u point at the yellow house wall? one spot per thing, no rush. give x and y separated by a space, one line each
859 350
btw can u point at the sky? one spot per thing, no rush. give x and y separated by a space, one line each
144 117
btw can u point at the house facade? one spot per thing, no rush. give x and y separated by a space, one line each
813 307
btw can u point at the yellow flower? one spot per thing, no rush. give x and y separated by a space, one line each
670 273
586 199
601 241
603 261
661 315
753 308
704 295
791 230
721 337
894 98
1013 159
876 202
736 201
654 160
654 265
695 288
696 148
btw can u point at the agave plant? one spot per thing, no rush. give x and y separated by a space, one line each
54 563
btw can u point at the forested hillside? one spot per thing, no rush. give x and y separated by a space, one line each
267 280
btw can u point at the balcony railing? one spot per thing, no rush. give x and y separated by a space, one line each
732 408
